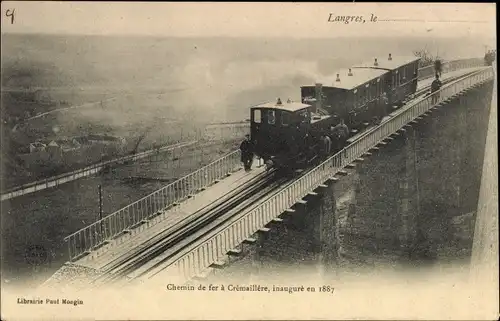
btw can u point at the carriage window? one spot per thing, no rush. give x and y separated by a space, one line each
271 117
257 116
285 119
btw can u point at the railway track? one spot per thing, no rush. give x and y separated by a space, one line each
145 257
218 219
160 252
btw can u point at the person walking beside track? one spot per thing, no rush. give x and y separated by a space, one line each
435 86
247 153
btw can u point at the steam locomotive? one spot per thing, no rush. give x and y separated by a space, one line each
288 134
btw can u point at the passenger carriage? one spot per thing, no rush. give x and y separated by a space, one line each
353 95
402 78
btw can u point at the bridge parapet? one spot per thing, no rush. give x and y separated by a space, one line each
449 66
89 238
222 240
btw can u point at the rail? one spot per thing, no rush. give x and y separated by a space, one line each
94 235
83 172
219 242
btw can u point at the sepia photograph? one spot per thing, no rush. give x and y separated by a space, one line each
229 161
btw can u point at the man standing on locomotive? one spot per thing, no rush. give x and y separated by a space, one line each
246 148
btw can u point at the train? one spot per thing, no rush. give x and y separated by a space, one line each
288 134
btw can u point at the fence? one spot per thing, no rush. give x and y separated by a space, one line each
449 66
83 172
88 238
226 238
221 132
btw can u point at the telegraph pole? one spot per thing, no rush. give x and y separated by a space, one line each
100 207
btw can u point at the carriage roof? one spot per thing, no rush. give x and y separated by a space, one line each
291 106
385 63
358 77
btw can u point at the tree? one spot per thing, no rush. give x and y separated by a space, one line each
427 59
425 56
438 66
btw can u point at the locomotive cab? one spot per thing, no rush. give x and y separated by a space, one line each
278 130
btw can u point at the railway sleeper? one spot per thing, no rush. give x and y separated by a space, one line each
264 230
234 252
394 135
277 220
301 202
250 240
342 173
333 179
218 265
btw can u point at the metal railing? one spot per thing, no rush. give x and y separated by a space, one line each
449 66
90 237
218 243
83 172
228 131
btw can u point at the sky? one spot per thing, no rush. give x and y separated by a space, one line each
302 20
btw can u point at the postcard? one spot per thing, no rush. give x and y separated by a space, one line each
213 161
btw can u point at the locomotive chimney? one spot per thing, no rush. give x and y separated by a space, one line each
350 72
376 62
390 57
338 77
279 102
319 97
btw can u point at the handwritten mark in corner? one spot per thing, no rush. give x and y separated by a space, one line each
10 13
